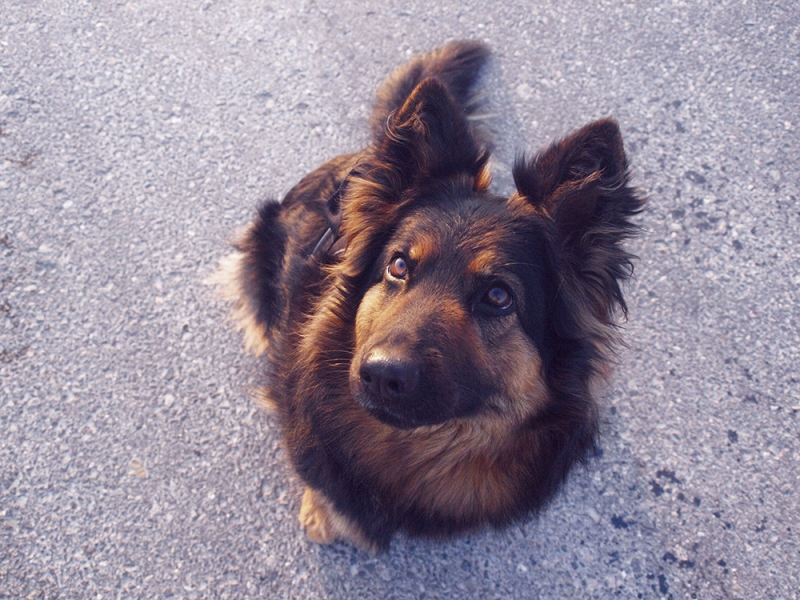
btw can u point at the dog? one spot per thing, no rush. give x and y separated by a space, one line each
434 349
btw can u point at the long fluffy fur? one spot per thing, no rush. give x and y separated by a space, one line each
485 458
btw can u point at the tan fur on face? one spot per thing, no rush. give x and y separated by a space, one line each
518 365
368 311
482 262
425 246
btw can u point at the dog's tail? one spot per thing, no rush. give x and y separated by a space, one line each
457 65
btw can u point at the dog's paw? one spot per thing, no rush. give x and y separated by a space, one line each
315 518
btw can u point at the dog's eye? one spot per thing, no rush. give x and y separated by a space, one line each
498 297
398 268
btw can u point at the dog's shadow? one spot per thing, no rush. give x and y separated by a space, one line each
597 537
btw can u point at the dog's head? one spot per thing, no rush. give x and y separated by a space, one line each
470 303
452 315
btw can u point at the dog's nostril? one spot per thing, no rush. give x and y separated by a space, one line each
389 377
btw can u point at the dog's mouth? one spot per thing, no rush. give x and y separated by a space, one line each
386 416
410 415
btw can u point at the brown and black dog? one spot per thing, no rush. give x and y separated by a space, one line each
433 348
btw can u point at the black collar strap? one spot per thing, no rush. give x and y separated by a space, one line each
331 244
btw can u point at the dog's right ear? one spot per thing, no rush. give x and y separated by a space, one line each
429 138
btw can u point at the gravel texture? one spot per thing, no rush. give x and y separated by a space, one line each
136 137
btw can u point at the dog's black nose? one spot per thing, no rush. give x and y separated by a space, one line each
389 376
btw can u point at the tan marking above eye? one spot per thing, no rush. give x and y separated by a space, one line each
482 263
424 247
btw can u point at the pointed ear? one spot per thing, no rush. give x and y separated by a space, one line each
429 137
581 184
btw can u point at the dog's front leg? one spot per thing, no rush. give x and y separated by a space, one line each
323 524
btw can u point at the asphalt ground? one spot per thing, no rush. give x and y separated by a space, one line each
136 137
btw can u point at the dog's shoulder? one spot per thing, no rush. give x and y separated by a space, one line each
313 190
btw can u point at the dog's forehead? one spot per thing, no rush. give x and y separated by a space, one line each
479 234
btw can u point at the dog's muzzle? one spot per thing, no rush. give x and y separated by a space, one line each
391 378
397 386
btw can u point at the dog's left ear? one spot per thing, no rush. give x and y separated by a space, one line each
429 137
581 185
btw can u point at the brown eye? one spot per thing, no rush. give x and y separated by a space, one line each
398 268
498 297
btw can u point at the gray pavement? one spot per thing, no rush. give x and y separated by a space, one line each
136 137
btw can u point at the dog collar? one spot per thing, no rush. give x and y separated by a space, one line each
331 244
